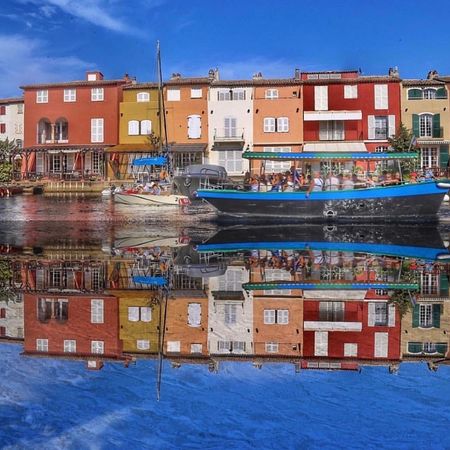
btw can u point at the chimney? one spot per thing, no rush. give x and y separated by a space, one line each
257 76
297 74
213 74
94 75
175 76
393 72
432 74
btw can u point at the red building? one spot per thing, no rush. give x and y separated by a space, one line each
363 329
67 325
349 112
69 125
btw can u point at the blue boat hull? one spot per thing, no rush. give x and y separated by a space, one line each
407 203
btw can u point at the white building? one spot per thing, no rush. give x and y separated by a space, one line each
11 318
230 314
230 118
11 119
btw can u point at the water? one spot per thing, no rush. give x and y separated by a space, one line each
290 336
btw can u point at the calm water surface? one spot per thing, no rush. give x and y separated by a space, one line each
271 337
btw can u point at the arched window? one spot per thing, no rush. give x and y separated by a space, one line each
146 127
44 131
429 93
133 127
426 125
143 97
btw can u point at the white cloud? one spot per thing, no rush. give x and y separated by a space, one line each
23 60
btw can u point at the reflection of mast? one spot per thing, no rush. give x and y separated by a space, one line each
164 297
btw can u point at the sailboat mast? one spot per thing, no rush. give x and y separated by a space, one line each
161 104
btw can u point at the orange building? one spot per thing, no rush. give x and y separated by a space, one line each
186 103
277 119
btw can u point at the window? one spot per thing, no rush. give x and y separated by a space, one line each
224 95
97 94
272 316
174 346
331 130
96 130
97 347
381 96
196 348
143 97
271 94
194 126
238 94
272 347
429 157
70 95
42 345
133 128
42 96
142 344
230 311
196 93
146 127
20 108
194 314
173 95
426 125
277 166
49 308
3 331
429 94
2 110
351 91
70 346
97 311
381 149
320 98
425 316
381 127
351 350
96 161
381 314
269 125
231 160
2 128
283 124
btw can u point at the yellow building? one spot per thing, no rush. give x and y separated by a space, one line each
425 110
139 320
139 130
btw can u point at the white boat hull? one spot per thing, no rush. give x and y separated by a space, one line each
151 199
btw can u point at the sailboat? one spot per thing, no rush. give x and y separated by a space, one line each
157 196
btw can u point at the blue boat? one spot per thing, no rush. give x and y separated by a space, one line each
407 202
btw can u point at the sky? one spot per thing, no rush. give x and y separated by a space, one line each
58 40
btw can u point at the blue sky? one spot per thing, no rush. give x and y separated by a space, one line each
56 40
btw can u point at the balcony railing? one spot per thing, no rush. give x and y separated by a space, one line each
229 134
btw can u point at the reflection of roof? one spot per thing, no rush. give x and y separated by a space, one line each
355 156
338 285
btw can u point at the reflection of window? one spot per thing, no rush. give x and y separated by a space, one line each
231 346
277 275
425 316
194 314
381 314
331 311
142 344
53 309
351 350
174 346
42 345
272 347
230 311
97 347
139 313
232 280
272 316
381 292
429 283
196 348
97 311
70 346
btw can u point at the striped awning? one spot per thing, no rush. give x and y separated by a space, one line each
355 156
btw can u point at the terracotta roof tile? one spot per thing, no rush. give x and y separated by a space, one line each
74 84
5 101
149 85
414 82
187 80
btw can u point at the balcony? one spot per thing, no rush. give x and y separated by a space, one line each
227 135
317 325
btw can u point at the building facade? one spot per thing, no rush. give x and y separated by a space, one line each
11 120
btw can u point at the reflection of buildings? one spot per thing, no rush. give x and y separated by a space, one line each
11 318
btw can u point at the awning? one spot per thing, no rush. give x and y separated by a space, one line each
128 148
332 115
66 148
356 156
228 146
335 147
432 142
188 148
155 161
338 285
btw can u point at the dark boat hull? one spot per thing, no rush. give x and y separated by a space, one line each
407 203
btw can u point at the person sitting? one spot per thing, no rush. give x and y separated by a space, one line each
389 180
332 182
316 184
370 181
277 183
254 184
429 175
156 190
347 183
397 178
288 186
148 187
357 183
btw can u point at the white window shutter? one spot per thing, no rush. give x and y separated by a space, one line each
384 96
146 314
381 345
371 126
146 127
133 313
194 127
377 95
321 343
320 98
391 124
381 96
371 315
391 315
194 314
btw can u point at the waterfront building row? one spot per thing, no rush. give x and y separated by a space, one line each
95 128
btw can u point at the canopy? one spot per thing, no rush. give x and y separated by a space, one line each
355 156
155 161
154 281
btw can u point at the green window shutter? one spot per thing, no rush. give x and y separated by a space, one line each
415 94
436 125
441 93
441 348
414 347
415 125
415 319
443 284
436 315
443 156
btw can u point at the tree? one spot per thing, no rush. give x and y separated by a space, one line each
8 149
402 139
401 298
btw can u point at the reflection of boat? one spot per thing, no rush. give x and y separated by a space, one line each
198 176
146 242
403 202
149 199
404 241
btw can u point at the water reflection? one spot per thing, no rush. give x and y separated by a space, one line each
318 297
